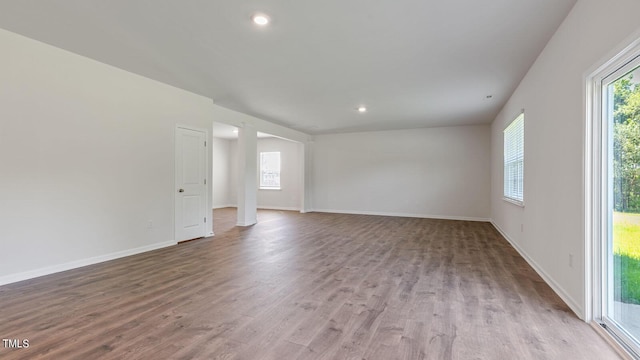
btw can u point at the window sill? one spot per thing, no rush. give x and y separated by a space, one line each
514 202
270 188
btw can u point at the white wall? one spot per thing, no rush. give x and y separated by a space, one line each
222 181
550 226
435 172
86 158
289 196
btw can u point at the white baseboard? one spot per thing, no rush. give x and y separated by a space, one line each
422 216
284 208
568 299
223 206
8 279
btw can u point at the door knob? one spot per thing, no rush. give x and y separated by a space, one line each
181 190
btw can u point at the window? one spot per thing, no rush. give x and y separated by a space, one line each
514 161
270 170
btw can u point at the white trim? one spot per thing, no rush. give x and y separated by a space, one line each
570 301
382 213
513 201
615 58
592 188
224 206
284 208
8 279
246 224
619 348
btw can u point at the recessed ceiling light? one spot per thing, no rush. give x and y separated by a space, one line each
260 19
362 108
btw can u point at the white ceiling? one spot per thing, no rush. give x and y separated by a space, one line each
414 63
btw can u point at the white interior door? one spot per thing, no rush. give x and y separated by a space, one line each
190 184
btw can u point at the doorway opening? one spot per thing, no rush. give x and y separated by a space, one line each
288 195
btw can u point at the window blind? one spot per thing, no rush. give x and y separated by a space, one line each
514 161
270 170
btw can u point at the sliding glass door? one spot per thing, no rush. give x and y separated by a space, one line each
619 251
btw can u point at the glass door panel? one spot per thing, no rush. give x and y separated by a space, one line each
621 298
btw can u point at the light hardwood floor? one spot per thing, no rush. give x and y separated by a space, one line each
304 286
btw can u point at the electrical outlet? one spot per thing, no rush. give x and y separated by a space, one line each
150 225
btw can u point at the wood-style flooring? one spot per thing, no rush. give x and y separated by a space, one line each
304 286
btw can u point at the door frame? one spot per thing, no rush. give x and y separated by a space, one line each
596 187
208 226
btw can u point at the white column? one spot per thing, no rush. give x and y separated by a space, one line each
247 175
307 177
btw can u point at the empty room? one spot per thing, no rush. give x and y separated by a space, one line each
320 180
